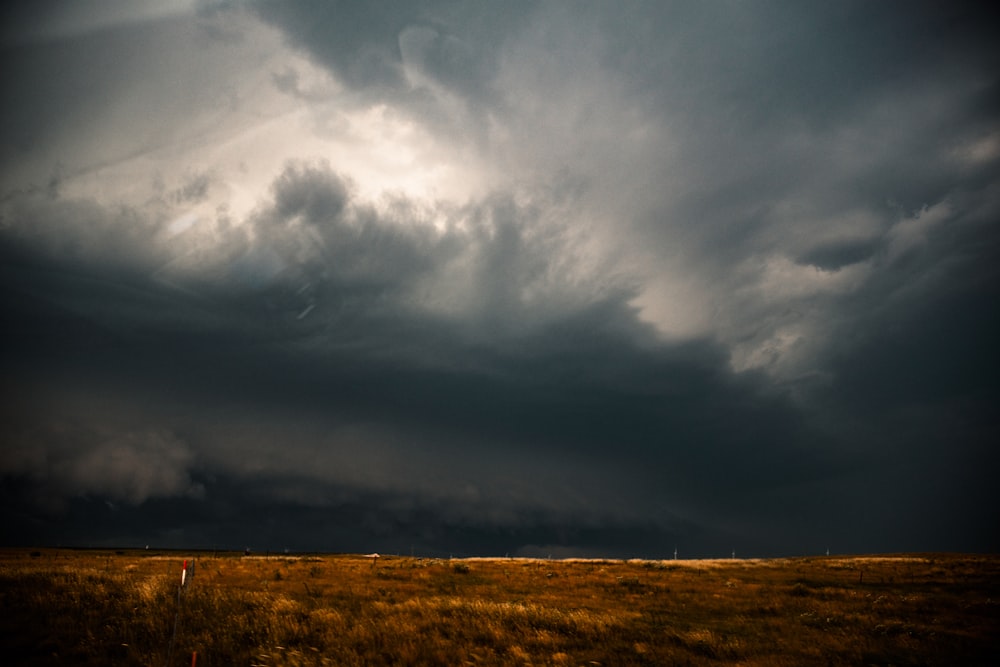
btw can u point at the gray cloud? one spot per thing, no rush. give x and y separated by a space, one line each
67 461
724 276
341 337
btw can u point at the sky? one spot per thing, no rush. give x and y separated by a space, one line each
500 278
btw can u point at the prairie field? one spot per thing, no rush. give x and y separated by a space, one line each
84 607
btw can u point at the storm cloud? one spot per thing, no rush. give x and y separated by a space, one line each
537 278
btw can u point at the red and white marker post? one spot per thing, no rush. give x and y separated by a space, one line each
187 573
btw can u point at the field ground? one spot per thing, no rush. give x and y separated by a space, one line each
126 608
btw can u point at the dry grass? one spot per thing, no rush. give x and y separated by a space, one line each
118 608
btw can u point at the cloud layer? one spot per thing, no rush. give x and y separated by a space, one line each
517 278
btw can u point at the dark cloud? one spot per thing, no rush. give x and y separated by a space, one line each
838 254
734 287
333 335
367 43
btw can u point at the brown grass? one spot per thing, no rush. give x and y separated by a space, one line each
119 608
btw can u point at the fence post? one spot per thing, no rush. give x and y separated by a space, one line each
185 580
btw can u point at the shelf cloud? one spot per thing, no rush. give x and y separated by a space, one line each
503 278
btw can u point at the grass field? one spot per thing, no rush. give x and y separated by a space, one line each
125 608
